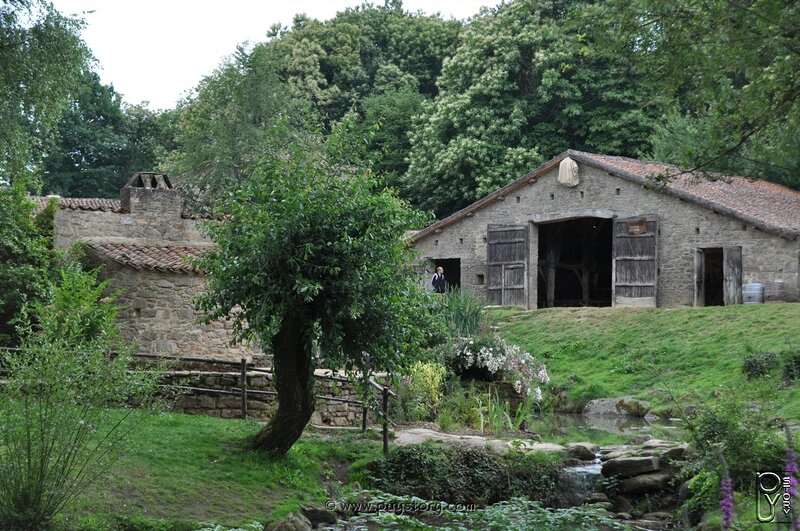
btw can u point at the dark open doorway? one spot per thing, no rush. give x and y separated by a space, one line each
452 270
713 277
575 263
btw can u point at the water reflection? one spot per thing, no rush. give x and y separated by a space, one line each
566 424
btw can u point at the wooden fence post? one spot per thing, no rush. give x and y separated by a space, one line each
385 421
243 385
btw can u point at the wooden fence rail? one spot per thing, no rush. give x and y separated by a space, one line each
244 367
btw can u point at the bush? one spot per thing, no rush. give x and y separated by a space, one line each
489 357
419 392
733 427
66 407
462 312
467 475
758 364
791 366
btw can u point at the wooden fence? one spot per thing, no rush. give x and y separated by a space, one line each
244 367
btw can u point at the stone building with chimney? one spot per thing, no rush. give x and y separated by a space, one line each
143 243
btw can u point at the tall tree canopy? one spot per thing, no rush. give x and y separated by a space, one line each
524 84
726 75
312 249
41 58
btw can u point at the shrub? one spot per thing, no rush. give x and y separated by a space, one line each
462 312
758 364
419 392
66 407
467 475
489 357
791 366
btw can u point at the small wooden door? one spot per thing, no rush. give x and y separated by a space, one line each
507 265
635 261
732 275
699 278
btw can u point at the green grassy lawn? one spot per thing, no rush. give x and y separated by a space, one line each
692 352
185 469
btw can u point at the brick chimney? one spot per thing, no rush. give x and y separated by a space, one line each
151 194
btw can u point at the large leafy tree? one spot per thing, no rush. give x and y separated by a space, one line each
312 249
86 158
726 73
525 84
221 128
41 58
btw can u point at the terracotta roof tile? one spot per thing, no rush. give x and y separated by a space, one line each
169 258
765 205
81 203
768 205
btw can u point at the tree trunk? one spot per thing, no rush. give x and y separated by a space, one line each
294 384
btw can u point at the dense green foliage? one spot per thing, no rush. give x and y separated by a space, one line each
26 262
524 85
58 432
41 57
725 74
467 475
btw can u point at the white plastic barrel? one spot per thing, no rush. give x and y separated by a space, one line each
753 293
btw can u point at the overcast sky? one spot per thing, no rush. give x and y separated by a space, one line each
157 50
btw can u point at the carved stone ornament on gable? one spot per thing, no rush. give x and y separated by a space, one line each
568 173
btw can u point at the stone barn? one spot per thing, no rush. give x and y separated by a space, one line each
596 230
143 243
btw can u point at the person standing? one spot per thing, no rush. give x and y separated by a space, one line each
438 281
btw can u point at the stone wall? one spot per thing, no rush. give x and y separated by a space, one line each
260 407
148 228
683 227
158 314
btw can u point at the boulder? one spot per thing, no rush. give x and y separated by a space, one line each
644 483
582 450
536 447
318 515
622 505
596 497
625 406
676 453
659 515
290 522
625 467
624 516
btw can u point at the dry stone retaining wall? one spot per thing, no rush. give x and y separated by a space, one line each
259 406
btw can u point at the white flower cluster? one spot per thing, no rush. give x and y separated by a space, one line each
503 360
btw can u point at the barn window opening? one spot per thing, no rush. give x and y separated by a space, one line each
617 191
480 279
697 230
436 242
452 271
552 196
138 313
574 266
581 194
518 199
461 241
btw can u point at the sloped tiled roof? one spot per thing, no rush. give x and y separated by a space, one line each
82 203
169 258
765 205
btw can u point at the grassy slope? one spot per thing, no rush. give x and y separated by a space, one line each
195 468
605 352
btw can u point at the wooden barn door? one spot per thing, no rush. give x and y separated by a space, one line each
732 274
507 265
635 261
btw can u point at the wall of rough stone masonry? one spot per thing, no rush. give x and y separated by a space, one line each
158 314
260 407
683 228
148 228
